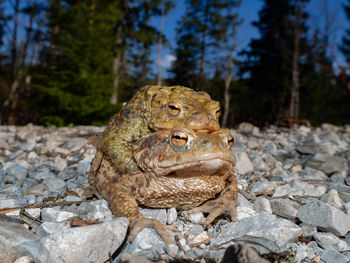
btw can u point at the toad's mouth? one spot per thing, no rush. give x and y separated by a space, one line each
194 168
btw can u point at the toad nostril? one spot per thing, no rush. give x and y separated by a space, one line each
206 143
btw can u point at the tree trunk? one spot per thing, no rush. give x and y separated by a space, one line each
201 82
116 67
294 100
160 44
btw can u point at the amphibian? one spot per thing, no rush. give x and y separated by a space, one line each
153 108
177 168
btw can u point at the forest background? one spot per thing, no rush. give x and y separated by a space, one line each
74 62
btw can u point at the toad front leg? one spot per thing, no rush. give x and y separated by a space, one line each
123 204
116 144
225 203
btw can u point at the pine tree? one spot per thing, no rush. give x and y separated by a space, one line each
78 79
198 36
269 59
345 47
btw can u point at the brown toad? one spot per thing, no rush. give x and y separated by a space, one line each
153 108
178 168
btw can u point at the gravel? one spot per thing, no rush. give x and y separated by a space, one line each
294 201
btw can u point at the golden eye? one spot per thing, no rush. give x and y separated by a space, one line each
230 141
218 113
178 139
174 109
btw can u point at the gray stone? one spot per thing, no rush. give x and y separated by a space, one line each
281 191
264 187
333 256
332 198
84 244
96 210
308 230
29 145
259 164
314 148
43 176
315 248
305 189
327 163
262 204
17 171
325 217
60 163
347 208
55 214
12 233
83 167
55 185
195 230
338 177
147 244
158 214
48 228
243 165
313 174
11 190
285 208
67 173
265 232
172 215
39 189
328 240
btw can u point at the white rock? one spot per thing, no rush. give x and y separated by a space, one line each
84 244
264 187
332 198
284 190
262 204
198 238
300 253
60 163
55 214
243 164
157 214
196 218
172 215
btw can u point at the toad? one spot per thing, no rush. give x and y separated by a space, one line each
177 168
153 108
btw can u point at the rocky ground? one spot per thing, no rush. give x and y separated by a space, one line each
294 203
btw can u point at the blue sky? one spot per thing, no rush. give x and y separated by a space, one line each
249 11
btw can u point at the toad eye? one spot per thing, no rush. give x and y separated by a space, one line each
178 140
173 109
230 141
218 113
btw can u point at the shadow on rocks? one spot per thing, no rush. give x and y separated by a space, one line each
242 254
